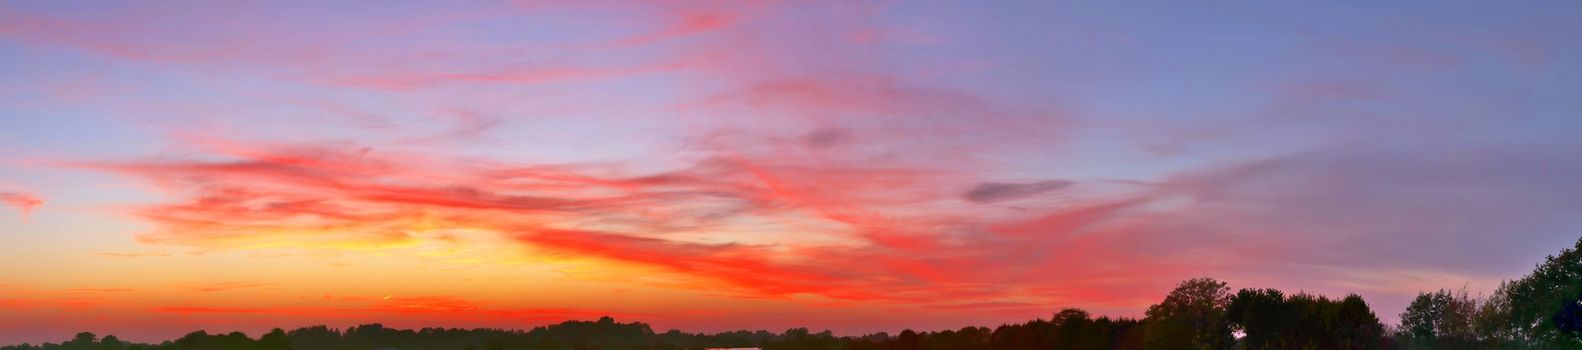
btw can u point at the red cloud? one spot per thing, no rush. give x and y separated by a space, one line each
22 201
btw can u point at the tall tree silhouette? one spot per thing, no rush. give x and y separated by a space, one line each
1191 317
1273 320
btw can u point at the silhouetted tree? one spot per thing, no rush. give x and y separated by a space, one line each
1493 319
1191 317
83 340
1536 300
1262 315
907 340
1358 327
1441 319
274 340
1273 320
1569 319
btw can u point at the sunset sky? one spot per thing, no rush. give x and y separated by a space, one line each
851 165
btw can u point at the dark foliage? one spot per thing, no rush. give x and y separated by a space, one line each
1569 319
1542 310
1191 317
1273 320
1071 329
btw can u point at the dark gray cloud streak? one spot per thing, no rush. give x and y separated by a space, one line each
990 192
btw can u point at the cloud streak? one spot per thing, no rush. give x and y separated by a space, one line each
989 192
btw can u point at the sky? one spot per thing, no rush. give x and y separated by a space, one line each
858 166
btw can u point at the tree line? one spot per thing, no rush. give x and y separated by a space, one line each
1542 310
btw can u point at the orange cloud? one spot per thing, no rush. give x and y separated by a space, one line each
129 255
431 308
231 286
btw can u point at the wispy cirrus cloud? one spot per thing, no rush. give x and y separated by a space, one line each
373 51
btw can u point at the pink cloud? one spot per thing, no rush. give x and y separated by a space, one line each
23 202
406 80
687 24
373 51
